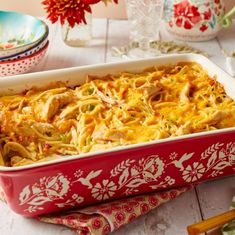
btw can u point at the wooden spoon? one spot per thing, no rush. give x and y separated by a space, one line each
213 222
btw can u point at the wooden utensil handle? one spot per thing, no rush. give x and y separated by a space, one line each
208 224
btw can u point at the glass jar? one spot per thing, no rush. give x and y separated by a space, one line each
144 18
79 35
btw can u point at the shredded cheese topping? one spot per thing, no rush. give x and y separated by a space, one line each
110 111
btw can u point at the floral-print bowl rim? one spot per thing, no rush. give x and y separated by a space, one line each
21 31
22 65
26 57
28 51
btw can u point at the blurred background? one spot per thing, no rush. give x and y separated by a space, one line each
34 7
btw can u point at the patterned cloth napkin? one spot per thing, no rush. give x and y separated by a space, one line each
109 216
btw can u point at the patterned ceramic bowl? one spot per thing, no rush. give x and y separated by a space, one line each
27 52
192 20
19 32
22 65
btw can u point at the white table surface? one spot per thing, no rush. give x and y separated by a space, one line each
205 200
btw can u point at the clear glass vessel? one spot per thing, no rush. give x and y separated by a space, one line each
78 36
144 18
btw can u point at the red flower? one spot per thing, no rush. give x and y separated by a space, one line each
187 25
203 27
207 14
72 11
90 1
217 1
186 14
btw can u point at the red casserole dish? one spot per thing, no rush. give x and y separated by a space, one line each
90 178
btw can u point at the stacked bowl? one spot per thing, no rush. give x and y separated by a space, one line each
23 42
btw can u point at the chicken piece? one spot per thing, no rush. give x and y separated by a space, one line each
115 135
45 130
46 93
23 128
15 148
151 90
51 107
19 161
99 132
184 95
65 125
69 112
54 103
44 127
15 159
214 118
106 98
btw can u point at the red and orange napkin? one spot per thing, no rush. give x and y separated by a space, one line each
109 216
